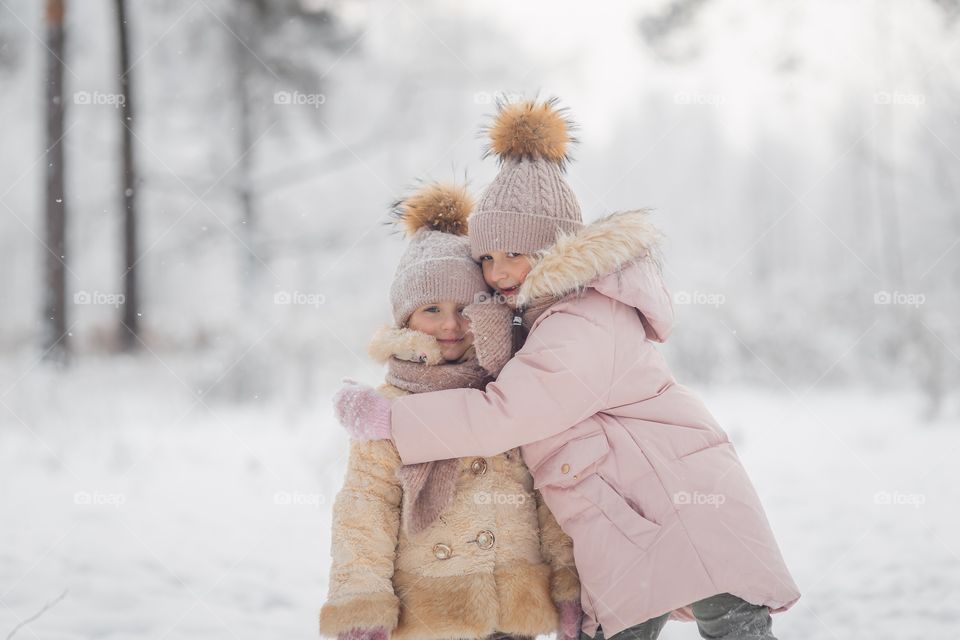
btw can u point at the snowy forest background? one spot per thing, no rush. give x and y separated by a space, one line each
168 460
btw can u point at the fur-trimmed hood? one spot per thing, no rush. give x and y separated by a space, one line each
619 256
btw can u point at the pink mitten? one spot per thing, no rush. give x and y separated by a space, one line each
374 633
571 615
363 412
492 328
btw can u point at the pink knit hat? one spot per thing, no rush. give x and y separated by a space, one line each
529 201
436 265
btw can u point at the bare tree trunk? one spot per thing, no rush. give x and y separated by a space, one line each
248 19
885 174
55 292
896 324
246 14
131 317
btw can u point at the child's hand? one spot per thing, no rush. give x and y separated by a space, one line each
375 633
363 412
571 615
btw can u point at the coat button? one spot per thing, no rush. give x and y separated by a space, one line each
478 466
565 468
442 551
485 539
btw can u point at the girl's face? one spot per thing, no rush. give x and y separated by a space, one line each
505 272
445 322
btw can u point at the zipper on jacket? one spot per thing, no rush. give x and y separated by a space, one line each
518 335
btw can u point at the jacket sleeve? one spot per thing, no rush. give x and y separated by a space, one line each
556 547
366 522
560 377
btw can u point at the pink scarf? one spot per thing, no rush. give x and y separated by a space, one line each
429 486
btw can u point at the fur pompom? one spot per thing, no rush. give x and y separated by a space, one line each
532 130
435 206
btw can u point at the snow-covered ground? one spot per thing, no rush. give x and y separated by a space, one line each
802 159
167 515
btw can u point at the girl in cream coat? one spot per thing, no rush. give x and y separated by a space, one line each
457 548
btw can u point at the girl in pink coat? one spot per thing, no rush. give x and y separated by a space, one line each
664 519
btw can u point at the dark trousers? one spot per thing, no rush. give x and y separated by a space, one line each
719 617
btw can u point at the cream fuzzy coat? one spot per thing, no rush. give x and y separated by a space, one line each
442 582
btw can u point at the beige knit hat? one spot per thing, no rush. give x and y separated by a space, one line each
529 201
436 265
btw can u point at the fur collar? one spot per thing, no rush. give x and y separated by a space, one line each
394 343
404 344
595 250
